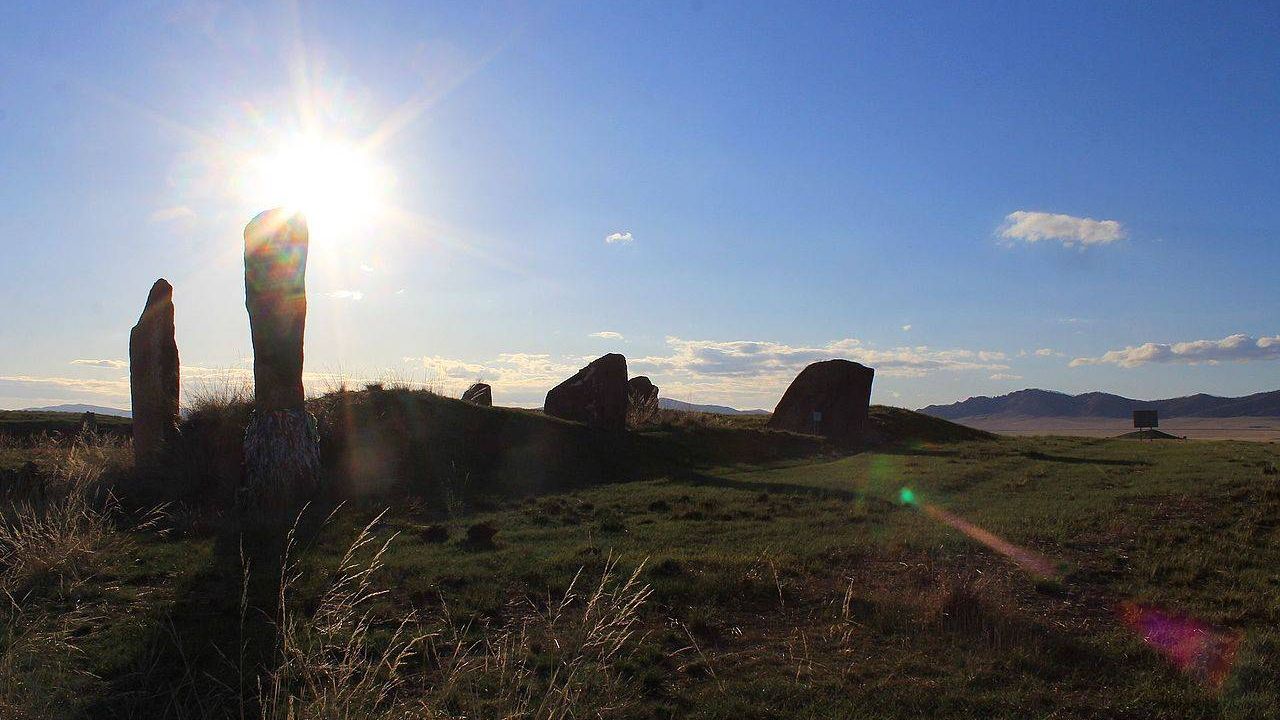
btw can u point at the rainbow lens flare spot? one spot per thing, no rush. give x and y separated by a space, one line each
1202 651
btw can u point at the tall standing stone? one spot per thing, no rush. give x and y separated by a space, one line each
596 395
153 376
281 445
830 398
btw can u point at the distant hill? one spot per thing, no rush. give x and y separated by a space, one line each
669 404
1048 403
81 409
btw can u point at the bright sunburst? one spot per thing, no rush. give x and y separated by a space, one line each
339 186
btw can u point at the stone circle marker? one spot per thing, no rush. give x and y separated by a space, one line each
596 395
831 398
642 396
281 444
154 376
479 394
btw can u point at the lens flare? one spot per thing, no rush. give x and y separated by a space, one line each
1202 651
339 186
1028 560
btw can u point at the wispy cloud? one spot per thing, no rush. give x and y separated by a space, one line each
1233 348
1005 376
607 335
63 389
742 371
170 214
906 328
108 364
757 358
617 238
1027 226
353 295
1047 352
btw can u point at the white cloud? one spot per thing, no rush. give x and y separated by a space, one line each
108 364
54 390
1071 231
1233 348
906 328
1005 376
169 214
607 335
744 372
1047 352
353 295
618 238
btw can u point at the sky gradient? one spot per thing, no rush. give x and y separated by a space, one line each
972 201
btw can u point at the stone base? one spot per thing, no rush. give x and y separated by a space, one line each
281 463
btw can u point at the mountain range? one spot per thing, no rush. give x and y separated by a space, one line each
81 409
669 404
1049 403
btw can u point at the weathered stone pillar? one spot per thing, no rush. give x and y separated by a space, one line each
281 444
153 376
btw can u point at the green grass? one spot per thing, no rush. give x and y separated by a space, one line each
785 586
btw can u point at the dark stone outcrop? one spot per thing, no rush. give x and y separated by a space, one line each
597 395
153 375
479 394
829 398
642 395
281 444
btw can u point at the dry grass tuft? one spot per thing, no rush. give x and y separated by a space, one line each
63 525
552 660
54 537
329 665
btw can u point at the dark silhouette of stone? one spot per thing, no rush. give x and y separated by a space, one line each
642 395
281 444
275 293
597 395
479 394
153 376
829 398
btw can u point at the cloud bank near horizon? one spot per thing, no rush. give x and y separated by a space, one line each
1233 348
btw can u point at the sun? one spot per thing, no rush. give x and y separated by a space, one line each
339 187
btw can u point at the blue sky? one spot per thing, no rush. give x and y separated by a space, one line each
970 199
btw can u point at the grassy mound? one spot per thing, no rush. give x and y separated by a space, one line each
1148 435
380 441
25 425
893 425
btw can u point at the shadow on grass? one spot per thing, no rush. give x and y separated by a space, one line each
1036 455
697 479
205 655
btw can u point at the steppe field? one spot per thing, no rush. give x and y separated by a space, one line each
736 573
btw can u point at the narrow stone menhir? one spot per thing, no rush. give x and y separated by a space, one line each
153 376
830 398
479 394
597 395
281 445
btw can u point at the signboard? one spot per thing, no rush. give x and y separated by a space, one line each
1145 419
